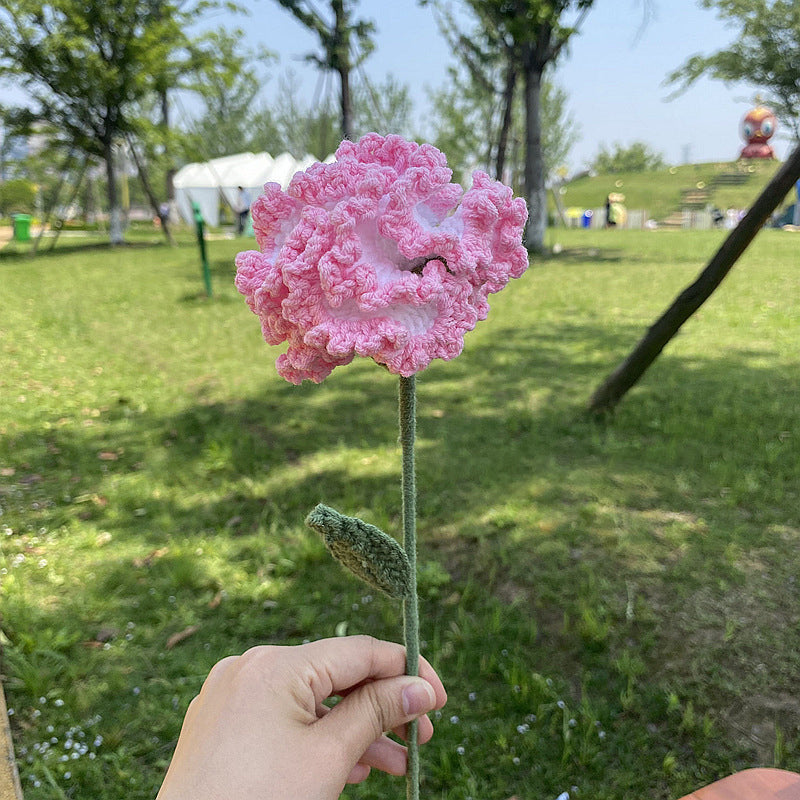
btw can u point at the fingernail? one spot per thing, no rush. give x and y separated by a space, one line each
418 697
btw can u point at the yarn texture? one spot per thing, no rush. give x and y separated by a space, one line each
365 550
379 255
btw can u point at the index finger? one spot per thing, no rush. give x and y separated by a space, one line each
335 665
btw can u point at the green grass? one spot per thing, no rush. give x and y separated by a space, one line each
613 607
659 192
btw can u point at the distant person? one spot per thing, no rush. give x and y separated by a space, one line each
163 215
717 217
242 208
610 221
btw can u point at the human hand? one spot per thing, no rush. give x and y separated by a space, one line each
258 730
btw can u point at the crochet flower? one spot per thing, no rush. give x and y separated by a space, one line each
378 254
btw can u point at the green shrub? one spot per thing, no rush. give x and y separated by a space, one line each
17 197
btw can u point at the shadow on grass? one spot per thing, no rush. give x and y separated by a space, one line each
647 537
222 272
605 255
16 252
223 269
503 428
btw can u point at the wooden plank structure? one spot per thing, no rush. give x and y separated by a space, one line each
10 788
752 784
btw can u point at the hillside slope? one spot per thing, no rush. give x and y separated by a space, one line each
732 184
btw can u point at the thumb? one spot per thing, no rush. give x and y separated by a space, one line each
374 708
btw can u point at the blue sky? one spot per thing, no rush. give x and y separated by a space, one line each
613 73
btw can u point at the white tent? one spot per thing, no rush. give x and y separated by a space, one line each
213 182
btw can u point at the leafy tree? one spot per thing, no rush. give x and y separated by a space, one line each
465 123
203 65
230 97
531 35
17 196
636 157
385 107
46 159
473 89
84 64
15 126
765 55
560 131
91 66
291 125
471 119
213 65
495 86
339 40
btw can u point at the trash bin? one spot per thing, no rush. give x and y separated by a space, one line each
586 219
22 227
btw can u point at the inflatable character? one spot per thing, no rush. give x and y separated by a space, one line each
758 126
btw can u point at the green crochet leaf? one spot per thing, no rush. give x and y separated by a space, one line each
364 549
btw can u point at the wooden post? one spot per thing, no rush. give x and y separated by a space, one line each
201 241
10 788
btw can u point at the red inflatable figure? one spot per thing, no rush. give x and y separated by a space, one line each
758 126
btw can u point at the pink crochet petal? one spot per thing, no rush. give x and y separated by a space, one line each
378 255
274 214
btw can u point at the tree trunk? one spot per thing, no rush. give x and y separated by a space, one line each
612 390
164 102
89 199
50 207
341 59
535 192
508 109
347 104
114 210
151 195
76 188
559 206
170 171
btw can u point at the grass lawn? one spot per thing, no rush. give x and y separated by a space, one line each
613 606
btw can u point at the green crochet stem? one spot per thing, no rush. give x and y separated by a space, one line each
408 429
